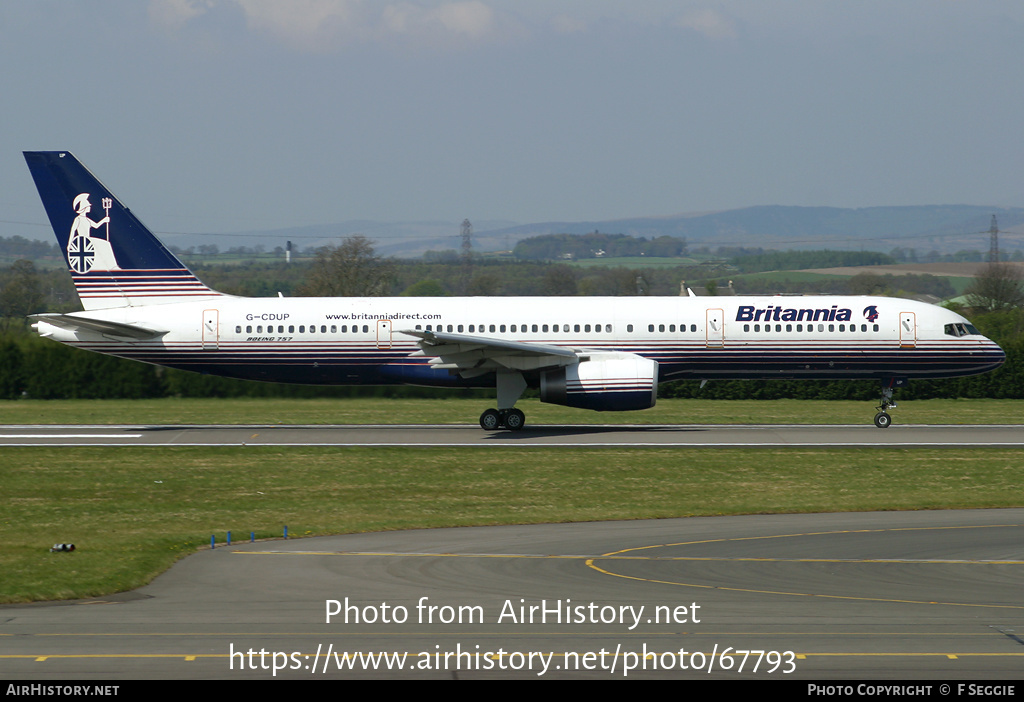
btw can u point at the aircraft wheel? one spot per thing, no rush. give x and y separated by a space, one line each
515 420
490 420
883 420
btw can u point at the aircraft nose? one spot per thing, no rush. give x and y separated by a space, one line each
998 355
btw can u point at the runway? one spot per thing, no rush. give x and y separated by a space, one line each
925 596
548 435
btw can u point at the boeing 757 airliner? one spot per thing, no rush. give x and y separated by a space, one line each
596 353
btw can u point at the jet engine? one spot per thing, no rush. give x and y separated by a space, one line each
603 382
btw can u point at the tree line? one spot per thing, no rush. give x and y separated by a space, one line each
32 367
38 368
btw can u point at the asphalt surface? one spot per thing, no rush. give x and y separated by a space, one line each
925 596
547 435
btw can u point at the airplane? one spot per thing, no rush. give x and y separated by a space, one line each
599 353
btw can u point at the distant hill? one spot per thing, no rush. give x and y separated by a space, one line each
944 228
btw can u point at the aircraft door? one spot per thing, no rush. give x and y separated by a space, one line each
211 329
908 330
715 328
383 333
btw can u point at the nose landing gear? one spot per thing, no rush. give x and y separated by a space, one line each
882 419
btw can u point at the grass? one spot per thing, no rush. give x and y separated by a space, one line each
466 411
133 511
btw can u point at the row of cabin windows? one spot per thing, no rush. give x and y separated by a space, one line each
302 329
810 327
670 327
472 328
553 328
957 330
520 328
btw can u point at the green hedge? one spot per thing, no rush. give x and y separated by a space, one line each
42 369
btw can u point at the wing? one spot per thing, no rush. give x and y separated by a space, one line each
119 329
470 356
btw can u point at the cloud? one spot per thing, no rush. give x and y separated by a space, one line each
564 24
469 19
323 25
710 23
314 24
174 14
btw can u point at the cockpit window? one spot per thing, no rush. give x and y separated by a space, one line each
960 329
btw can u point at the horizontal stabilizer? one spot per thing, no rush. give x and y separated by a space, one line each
73 323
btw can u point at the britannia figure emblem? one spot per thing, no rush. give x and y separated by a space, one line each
85 251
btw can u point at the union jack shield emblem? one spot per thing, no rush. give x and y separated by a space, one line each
81 254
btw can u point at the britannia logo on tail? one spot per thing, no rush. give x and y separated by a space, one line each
85 251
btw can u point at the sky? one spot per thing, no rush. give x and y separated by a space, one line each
235 115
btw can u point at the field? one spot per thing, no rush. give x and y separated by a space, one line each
133 511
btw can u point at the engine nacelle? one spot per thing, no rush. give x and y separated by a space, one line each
603 382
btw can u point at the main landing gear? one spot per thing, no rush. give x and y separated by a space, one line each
510 385
882 419
512 419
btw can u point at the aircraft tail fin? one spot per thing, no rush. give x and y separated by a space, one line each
114 260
